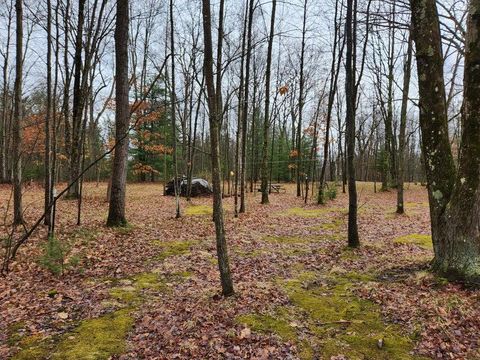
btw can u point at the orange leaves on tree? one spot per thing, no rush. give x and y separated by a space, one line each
139 169
283 90
293 153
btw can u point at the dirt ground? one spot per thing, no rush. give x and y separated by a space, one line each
151 290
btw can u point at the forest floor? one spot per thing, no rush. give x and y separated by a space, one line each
151 290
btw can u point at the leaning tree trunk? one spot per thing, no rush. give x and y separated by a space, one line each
116 212
17 118
454 197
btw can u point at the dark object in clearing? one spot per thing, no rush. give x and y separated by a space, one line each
275 188
200 187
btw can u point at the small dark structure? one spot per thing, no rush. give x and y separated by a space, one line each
200 187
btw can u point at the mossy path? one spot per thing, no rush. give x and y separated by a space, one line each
325 318
104 336
151 290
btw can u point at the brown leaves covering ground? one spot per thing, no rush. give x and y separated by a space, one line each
191 320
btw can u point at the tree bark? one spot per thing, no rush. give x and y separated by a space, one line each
215 121
48 174
173 105
403 126
301 100
266 121
246 92
17 118
454 197
116 213
350 67
78 101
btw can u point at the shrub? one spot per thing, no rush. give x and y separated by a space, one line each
54 256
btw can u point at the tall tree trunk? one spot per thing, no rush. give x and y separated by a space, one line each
177 183
78 101
454 197
350 68
390 145
248 56
66 85
403 126
239 135
266 121
301 100
215 125
334 73
17 119
4 149
48 179
116 211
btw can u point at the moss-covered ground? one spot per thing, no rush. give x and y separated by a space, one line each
423 241
333 320
103 337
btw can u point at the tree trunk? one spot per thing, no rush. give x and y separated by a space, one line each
266 121
4 149
215 121
350 68
48 179
334 73
403 126
243 163
301 100
78 101
17 119
116 212
454 197
173 105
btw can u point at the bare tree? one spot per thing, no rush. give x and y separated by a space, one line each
402 138
116 212
266 121
215 119
17 118
350 93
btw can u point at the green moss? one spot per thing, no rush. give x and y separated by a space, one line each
126 295
194 210
423 241
302 212
99 338
335 225
147 281
33 347
15 332
344 323
270 324
172 248
102 337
